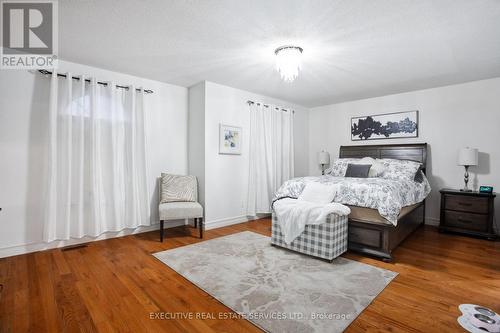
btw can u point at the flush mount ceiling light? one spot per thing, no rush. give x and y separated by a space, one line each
288 61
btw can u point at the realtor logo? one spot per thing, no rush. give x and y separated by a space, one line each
29 34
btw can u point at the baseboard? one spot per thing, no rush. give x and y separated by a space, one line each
35 247
219 223
432 221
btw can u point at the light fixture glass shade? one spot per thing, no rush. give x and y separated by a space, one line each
323 157
468 156
288 60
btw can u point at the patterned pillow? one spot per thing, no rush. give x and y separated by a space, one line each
399 169
339 167
176 188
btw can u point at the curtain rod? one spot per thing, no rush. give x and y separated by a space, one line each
46 72
249 102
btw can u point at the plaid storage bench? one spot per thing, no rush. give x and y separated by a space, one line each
326 241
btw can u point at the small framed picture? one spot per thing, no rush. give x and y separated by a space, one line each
229 140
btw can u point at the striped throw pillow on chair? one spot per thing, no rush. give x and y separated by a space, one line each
175 188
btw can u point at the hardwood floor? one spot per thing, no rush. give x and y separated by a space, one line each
115 285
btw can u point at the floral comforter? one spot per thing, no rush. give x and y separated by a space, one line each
386 195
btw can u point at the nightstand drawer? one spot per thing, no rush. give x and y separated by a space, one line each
466 203
464 220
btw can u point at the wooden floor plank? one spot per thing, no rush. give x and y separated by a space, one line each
7 290
116 285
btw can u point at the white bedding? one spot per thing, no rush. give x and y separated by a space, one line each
388 196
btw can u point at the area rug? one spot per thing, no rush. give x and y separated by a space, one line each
276 289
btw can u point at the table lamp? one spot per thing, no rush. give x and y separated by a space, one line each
323 159
467 157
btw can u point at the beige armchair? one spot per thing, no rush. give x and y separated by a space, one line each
179 200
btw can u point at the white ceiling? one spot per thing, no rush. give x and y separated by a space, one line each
352 49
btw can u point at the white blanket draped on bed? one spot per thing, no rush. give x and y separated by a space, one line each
293 215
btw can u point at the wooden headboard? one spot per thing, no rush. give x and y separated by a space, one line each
412 151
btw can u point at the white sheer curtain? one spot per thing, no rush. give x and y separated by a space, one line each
97 175
271 155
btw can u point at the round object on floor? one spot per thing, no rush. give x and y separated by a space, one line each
478 319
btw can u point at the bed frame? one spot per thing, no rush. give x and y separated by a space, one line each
377 239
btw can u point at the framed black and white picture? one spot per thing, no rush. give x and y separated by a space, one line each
229 140
385 126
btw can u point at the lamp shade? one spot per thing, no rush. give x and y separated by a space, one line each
323 157
467 156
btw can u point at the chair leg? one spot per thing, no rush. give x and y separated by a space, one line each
201 227
195 222
161 231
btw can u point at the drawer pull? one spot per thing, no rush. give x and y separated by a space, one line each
468 204
464 220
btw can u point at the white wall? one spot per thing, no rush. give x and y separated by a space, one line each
196 137
23 129
226 176
451 117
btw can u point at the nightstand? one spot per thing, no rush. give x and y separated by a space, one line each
468 213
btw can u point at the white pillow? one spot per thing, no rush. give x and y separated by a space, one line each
376 169
366 161
318 193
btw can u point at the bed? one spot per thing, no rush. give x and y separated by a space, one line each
367 233
384 210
